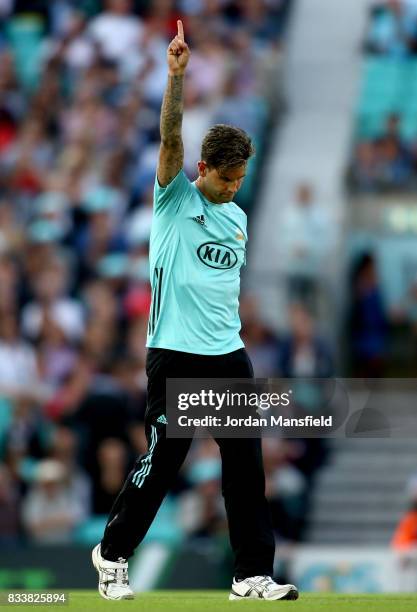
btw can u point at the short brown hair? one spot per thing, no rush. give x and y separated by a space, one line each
226 146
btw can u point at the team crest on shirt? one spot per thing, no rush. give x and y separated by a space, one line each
240 236
217 255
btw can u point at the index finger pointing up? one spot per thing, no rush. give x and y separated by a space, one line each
180 30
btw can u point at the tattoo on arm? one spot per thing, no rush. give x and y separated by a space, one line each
171 152
171 112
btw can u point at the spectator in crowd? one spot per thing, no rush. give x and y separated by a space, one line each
304 353
52 304
261 342
100 237
73 47
53 206
112 405
196 122
50 512
304 243
391 136
404 541
64 449
285 489
56 356
64 403
27 439
112 458
393 29
364 169
368 320
385 162
202 509
11 240
9 499
117 31
19 375
405 536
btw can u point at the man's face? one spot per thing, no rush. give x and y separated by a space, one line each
221 185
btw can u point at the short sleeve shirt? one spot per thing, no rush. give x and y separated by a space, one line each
197 248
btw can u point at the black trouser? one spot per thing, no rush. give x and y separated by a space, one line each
243 479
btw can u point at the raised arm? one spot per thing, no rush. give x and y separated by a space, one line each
171 152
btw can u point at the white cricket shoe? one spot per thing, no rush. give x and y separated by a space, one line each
113 579
262 587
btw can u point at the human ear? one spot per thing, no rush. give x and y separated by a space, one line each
202 168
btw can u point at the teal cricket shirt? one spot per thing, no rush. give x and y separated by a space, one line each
196 251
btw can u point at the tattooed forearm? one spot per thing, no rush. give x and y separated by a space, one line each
171 111
171 151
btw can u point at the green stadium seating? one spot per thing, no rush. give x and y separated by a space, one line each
388 86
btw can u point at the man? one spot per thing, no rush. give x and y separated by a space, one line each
197 248
117 31
305 246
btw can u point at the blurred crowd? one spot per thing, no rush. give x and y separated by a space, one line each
393 28
382 336
81 85
386 162
385 151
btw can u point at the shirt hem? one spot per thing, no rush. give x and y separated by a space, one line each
187 349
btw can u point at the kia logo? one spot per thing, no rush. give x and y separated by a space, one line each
216 255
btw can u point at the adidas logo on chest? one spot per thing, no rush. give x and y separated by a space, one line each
200 219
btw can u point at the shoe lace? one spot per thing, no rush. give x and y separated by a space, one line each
121 573
265 582
269 583
119 576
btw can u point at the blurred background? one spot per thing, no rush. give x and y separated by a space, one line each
328 92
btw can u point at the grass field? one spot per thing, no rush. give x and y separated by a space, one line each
216 601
